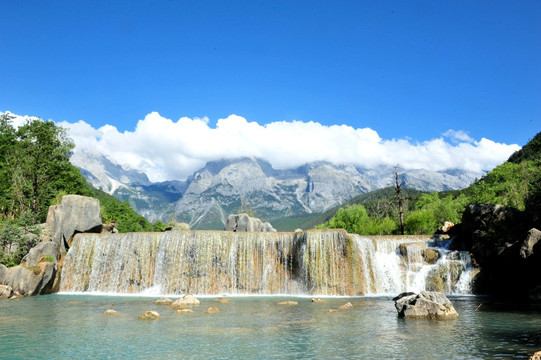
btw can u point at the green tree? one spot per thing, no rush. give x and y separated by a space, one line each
7 145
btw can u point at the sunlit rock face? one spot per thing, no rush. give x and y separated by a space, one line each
317 262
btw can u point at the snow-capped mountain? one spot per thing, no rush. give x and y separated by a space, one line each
222 187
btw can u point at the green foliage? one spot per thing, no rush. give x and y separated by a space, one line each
529 152
121 212
47 258
35 167
420 222
508 184
354 219
17 236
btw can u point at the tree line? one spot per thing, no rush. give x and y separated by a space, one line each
515 183
35 172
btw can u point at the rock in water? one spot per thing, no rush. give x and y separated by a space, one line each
212 310
184 311
111 312
536 356
425 305
149 315
187 300
346 306
164 301
288 303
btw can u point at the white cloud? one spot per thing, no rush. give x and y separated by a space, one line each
18 120
166 149
458 136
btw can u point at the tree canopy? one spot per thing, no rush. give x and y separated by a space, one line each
35 168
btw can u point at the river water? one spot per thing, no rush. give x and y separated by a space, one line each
74 327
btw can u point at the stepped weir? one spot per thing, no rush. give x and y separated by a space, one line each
315 262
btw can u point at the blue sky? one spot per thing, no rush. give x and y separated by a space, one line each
406 69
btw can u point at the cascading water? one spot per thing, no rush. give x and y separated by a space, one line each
319 262
414 263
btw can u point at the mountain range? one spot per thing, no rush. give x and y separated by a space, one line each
228 186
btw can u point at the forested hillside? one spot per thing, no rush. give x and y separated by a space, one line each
515 183
35 172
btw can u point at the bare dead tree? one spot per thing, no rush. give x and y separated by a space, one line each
399 183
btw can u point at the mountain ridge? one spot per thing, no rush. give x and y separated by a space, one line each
225 186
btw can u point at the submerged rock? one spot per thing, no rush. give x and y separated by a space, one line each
184 311
346 306
317 300
223 300
149 315
111 312
164 301
288 303
212 310
425 305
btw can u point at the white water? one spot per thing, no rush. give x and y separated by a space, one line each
324 263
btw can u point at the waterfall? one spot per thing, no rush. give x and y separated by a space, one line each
317 262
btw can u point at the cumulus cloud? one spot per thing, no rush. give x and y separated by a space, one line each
458 136
165 149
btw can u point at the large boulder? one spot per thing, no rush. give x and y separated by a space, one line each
245 223
44 251
75 214
5 291
3 273
37 280
425 305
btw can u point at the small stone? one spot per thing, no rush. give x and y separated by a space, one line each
111 312
184 311
288 303
164 301
346 306
149 315
212 310
223 300
331 310
317 300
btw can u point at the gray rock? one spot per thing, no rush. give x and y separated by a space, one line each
425 305
42 252
3 273
5 291
75 214
245 223
38 280
532 242
185 301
